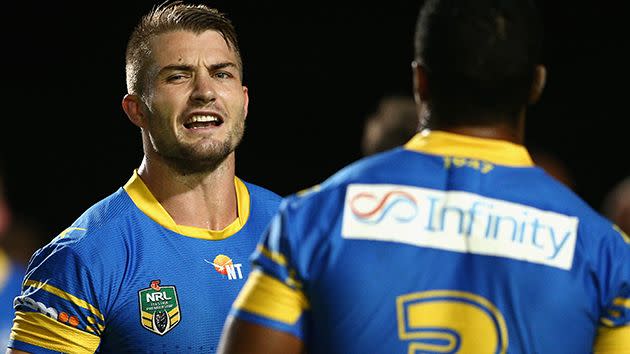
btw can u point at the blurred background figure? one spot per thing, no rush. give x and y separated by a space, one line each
393 123
11 271
616 205
553 165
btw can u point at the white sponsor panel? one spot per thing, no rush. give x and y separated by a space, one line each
460 222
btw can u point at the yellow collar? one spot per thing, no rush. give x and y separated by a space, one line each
145 201
499 152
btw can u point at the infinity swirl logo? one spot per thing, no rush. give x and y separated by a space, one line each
370 209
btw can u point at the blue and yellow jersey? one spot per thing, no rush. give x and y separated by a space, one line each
450 244
11 276
125 278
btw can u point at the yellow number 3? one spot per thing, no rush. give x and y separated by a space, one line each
445 321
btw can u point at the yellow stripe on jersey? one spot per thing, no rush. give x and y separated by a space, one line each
42 331
268 297
274 256
500 152
93 322
621 302
68 230
64 295
625 236
612 340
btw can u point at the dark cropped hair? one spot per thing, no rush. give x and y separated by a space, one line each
480 57
169 17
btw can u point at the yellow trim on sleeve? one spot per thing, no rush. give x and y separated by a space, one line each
145 201
622 302
614 340
274 256
442 143
64 295
42 331
268 297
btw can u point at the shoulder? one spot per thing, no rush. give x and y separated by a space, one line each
262 193
324 203
386 167
262 199
100 230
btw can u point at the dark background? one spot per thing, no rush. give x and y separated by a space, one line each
314 71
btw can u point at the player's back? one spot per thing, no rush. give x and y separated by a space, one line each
454 244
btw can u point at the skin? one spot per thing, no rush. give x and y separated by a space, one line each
190 171
242 337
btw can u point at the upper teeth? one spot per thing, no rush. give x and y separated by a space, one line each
199 118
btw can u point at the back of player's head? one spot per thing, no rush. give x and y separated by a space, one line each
479 56
169 17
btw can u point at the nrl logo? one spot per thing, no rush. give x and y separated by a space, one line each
159 308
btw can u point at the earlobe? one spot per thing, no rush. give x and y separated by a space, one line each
538 85
133 108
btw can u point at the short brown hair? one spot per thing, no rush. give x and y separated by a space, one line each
169 17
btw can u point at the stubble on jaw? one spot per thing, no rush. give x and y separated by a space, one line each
189 160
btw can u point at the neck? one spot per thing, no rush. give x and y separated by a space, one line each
202 199
500 131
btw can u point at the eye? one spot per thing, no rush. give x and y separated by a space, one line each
223 75
177 77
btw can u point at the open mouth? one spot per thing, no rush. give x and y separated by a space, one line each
203 121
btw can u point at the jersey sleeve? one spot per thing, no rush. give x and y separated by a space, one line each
273 294
57 310
614 333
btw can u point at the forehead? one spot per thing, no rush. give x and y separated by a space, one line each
185 47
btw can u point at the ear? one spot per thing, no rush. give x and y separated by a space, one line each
420 93
540 78
246 102
420 82
132 105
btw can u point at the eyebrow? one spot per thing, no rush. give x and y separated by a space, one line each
188 67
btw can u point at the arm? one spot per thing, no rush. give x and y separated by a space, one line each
242 337
54 311
15 351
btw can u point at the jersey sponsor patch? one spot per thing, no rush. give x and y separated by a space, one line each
159 307
224 265
460 222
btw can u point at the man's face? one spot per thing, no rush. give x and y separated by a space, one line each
195 103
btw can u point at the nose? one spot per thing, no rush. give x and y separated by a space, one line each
203 90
